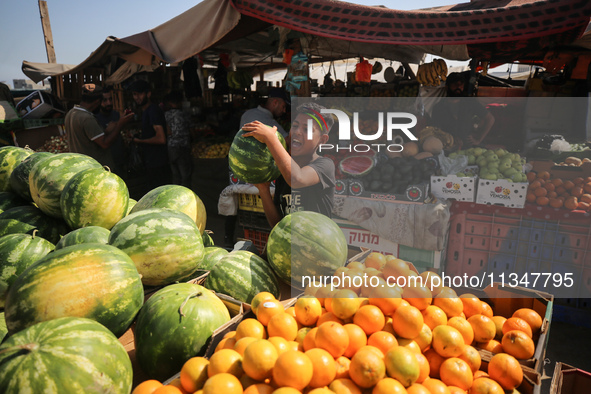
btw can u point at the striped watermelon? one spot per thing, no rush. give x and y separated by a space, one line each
306 244
174 325
11 200
130 205
251 161
66 355
19 179
175 197
94 197
164 244
10 157
17 252
95 281
3 329
49 176
207 240
84 235
212 255
242 274
13 226
49 228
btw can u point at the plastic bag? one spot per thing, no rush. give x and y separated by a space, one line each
135 163
363 71
452 166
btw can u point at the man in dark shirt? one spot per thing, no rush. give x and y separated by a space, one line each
107 118
152 139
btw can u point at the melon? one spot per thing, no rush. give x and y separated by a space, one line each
423 155
410 148
356 166
433 145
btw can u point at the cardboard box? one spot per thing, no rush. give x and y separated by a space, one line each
38 105
502 192
414 194
569 380
453 187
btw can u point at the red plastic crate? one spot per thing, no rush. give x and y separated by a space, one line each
258 237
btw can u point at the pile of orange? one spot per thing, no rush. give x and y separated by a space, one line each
365 340
572 194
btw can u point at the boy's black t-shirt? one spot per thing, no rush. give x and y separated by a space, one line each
316 198
154 155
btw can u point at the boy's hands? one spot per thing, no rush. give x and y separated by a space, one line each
263 187
260 131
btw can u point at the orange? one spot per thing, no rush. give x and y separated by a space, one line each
549 186
499 321
259 299
292 345
543 201
424 367
402 365
357 339
435 361
148 387
370 318
576 191
518 344
540 192
425 338
506 370
456 390
281 344
465 328
352 281
222 383
472 357
432 281
342 364
310 339
586 198
259 359
367 368
388 326
418 296
536 184
375 260
407 321
472 304
456 372
417 388
483 326
395 268
328 316
345 303
333 338
568 185
410 344
531 176
492 346
230 334
283 325
293 369
545 175
242 344
250 328
344 386
226 361
259 388
480 374
452 306
194 374
486 386
531 317
168 389
434 316
226 343
356 265
320 390
583 206
388 299
571 203
286 390
324 367
447 341
435 386
389 386
302 332
177 383
267 309
382 340
530 197
307 310
291 311
516 323
487 310
247 381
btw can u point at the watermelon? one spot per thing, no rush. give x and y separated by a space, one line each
242 274
164 244
130 205
207 240
19 179
3 329
306 244
94 197
174 325
11 200
10 157
251 161
212 255
17 252
49 228
356 166
66 355
13 226
49 176
84 235
175 197
95 281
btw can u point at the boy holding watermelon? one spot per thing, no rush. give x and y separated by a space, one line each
307 179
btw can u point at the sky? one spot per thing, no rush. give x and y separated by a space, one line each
81 26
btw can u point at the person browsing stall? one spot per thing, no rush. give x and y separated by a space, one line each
307 179
267 113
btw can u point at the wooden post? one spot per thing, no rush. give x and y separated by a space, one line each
48 36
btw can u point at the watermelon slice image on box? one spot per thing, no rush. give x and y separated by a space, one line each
356 166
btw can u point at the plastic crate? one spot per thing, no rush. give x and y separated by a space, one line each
258 237
253 219
250 202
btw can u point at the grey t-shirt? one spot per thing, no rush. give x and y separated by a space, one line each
82 129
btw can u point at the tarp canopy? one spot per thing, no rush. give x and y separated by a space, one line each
256 30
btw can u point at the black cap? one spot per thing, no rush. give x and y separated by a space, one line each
279 93
140 86
454 77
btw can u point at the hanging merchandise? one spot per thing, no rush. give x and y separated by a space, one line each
363 71
192 84
297 73
221 78
287 55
